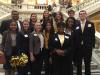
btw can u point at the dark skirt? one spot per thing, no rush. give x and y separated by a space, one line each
7 64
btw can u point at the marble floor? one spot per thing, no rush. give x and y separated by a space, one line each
1 73
1 70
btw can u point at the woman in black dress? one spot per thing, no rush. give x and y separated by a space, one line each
60 46
23 41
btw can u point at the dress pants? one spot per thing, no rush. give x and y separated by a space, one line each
86 55
62 65
37 64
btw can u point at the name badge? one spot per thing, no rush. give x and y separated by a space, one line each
25 35
89 25
35 34
77 28
56 39
66 37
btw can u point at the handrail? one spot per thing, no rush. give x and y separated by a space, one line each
5 7
82 5
91 6
24 6
97 34
4 17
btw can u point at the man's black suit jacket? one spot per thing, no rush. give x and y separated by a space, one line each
85 38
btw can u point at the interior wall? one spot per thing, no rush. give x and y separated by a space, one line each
6 1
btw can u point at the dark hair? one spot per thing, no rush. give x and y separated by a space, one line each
61 25
52 28
72 19
31 16
83 11
44 12
60 13
15 23
69 11
14 11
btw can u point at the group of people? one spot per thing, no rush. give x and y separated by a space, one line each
56 43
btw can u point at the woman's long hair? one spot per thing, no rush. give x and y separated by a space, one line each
74 22
52 28
60 13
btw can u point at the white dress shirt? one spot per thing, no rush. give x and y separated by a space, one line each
19 26
83 25
41 40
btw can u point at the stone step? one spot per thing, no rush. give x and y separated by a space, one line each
93 66
94 69
93 72
2 73
1 68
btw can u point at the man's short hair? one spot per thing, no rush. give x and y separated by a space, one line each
83 11
14 11
69 11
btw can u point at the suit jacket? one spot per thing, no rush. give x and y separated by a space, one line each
5 25
6 43
23 41
55 44
85 38
34 43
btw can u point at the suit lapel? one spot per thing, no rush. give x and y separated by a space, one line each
60 42
85 26
80 29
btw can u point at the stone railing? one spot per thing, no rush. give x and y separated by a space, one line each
4 17
97 24
5 7
91 6
29 7
97 34
22 7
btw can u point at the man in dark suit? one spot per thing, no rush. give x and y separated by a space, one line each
84 43
14 17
